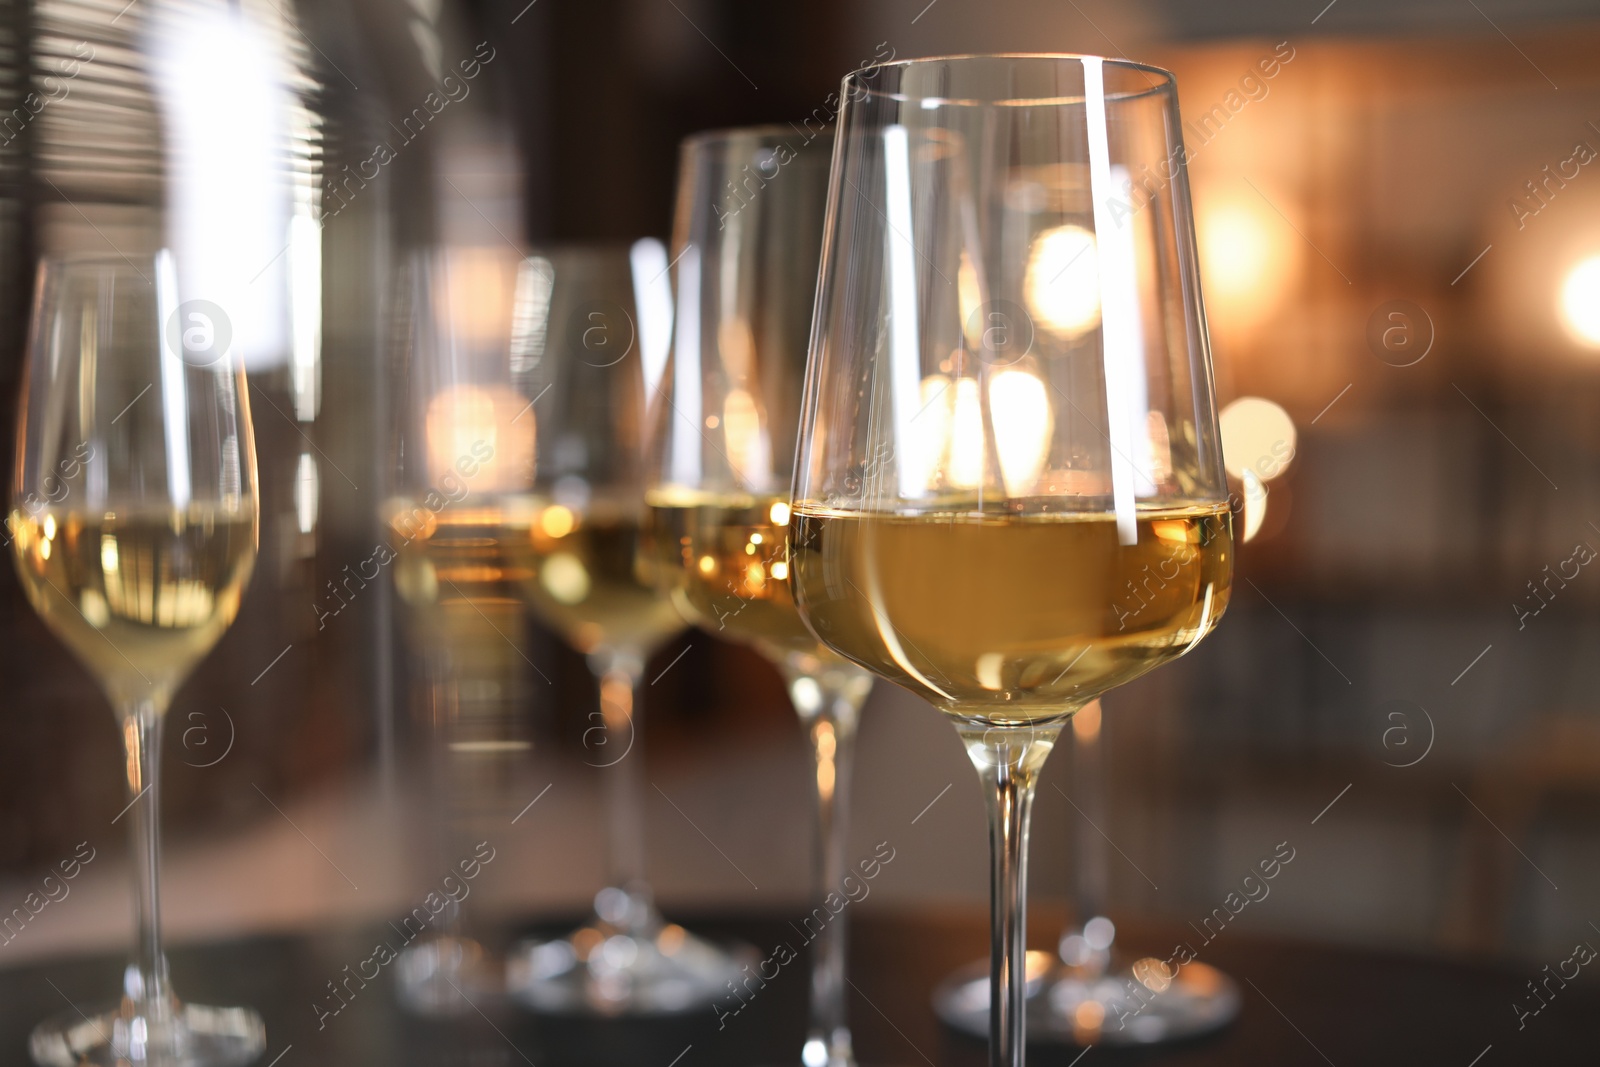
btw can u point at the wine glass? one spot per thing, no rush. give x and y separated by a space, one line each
464 460
1090 992
588 570
1009 493
726 421
133 522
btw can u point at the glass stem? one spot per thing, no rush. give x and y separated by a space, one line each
622 763
145 982
1008 760
829 702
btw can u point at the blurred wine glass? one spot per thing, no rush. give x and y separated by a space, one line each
463 467
134 523
588 569
723 459
1009 495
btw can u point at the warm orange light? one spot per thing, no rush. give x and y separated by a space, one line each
745 435
1062 284
1086 724
1245 260
1020 410
1580 301
475 295
947 446
479 437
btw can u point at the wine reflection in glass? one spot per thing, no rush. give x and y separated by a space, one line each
133 521
1009 495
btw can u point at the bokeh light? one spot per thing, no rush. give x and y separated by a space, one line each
1063 281
1257 436
1580 301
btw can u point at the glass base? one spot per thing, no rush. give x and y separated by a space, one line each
183 1035
444 977
1127 1002
625 960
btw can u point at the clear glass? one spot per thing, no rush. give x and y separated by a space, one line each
748 236
597 321
1009 493
133 526
463 455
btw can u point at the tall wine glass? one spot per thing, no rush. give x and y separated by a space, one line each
588 569
1009 494
727 417
464 460
133 522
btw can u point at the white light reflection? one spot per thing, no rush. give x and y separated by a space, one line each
905 354
225 112
652 292
174 387
1119 315
1255 504
305 493
684 460
305 314
530 316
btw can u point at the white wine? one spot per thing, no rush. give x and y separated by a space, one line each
139 595
1011 617
726 559
463 587
591 575
453 567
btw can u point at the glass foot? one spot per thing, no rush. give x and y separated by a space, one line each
445 976
625 960
1137 1002
133 1035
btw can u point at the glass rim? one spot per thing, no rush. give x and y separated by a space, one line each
855 81
764 132
122 260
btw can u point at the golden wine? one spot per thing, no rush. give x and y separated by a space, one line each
139 595
592 576
1011 617
726 558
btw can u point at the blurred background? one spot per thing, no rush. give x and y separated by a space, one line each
1399 213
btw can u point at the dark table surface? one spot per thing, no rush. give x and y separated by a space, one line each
1303 1004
